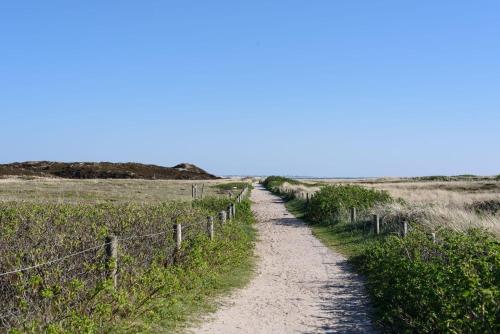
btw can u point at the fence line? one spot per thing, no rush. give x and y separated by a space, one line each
403 226
111 264
54 261
141 236
231 213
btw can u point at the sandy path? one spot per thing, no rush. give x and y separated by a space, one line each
300 285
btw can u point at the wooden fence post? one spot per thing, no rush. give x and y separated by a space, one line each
178 241
376 224
222 216
210 227
353 215
233 206
192 191
229 212
404 231
112 259
433 237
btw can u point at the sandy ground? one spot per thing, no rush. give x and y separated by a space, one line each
300 285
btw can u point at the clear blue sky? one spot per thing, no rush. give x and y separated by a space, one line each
324 88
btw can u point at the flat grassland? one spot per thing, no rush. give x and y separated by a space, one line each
104 190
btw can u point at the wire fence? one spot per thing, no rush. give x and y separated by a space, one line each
47 291
365 219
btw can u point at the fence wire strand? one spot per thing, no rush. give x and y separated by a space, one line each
53 261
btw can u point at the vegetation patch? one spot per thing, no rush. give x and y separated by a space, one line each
104 170
421 286
416 284
233 186
158 286
274 182
331 203
491 207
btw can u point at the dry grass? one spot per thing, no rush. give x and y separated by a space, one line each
297 188
100 190
434 204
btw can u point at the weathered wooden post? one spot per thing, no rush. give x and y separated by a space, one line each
307 198
192 192
376 224
222 216
210 227
112 259
404 231
233 206
353 215
433 237
229 212
178 241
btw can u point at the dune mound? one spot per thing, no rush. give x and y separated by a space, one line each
104 170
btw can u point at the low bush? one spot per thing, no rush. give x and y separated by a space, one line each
331 203
73 294
418 286
272 183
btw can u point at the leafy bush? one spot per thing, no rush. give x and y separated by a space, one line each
73 294
451 286
272 183
331 203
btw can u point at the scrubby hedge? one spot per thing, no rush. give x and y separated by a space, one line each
274 182
331 203
73 295
451 286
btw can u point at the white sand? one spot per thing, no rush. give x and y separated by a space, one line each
300 285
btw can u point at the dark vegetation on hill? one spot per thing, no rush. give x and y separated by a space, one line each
104 170
442 178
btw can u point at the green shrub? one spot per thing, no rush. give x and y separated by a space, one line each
331 203
272 183
419 286
232 186
72 294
